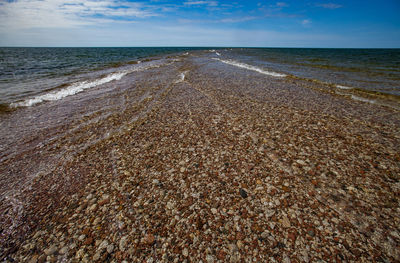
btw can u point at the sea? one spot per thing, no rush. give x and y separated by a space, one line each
30 76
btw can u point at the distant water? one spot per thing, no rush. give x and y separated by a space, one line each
367 69
32 75
29 76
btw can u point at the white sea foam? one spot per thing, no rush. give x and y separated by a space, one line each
218 54
81 86
343 87
250 67
70 90
181 77
362 99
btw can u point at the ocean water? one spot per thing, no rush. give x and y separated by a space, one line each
367 69
32 75
29 76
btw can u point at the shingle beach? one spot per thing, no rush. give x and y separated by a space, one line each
201 161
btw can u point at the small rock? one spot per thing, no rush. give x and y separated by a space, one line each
292 237
239 244
93 208
285 222
88 241
103 245
51 250
42 258
286 259
155 181
301 162
311 232
182 169
170 205
314 182
214 211
34 259
149 239
243 193
110 248
254 138
96 256
221 255
64 250
210 259
232 248
103 202
185 252
122 243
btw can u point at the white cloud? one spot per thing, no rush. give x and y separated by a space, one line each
208 3
238 19
25 14
281 4
306 22
330 6
215 21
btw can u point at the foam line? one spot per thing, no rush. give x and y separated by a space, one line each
250 67
362 99
68 91
343 87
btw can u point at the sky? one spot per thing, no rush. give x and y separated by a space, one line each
262 23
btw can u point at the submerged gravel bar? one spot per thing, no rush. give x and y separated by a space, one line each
201 161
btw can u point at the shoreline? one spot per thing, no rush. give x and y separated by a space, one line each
221 165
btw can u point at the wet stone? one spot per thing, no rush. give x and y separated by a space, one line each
243 193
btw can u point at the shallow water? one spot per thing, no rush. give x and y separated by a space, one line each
29 72
38 140
370 69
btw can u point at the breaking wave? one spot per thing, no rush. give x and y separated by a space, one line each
68 91
250 67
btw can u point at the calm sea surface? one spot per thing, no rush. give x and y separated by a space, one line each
33 75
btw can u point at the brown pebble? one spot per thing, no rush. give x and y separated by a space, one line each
221 255
149 239
88 241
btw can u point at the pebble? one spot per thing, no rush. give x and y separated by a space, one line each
210 259
123 243
149 239
285 222
93 208
97 256
286 259
64 250
243 193
51 250
310 196
110 248
239 244
185 252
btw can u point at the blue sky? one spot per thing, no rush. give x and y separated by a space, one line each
313 23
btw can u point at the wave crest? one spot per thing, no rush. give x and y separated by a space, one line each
250 67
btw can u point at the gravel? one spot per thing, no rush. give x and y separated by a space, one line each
226 166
